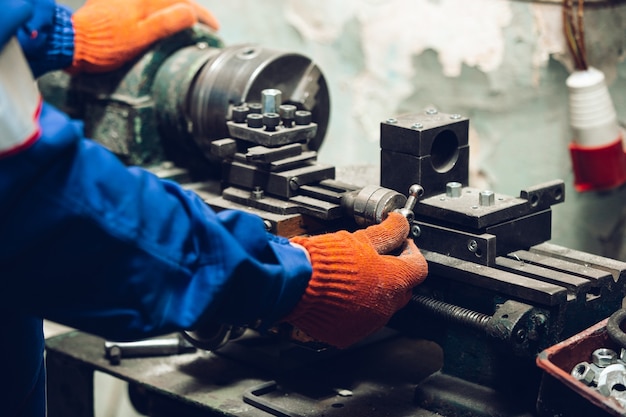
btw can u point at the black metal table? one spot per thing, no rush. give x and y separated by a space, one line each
250 377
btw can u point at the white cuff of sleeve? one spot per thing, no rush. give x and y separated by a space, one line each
20 101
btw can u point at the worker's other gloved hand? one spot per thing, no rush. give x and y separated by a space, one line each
108 33
357 285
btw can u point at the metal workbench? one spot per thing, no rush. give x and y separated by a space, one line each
249 375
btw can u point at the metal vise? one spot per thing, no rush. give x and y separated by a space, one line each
497 292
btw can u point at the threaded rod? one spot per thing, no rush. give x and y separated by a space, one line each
452 313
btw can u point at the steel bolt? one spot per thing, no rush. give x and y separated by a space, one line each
254 120
287 114
257 193
303 117
255 108
270 121
294 183
432 110
472 246
417 126
271 99
487 198
455 116
115 355
391 120
416 231
453 189
239 114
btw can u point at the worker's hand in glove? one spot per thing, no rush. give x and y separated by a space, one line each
108 33
357 285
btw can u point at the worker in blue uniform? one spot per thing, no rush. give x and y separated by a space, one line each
115 251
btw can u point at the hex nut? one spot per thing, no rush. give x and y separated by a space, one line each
603 357
584 373
610 378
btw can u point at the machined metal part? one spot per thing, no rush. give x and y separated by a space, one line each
512 322
264 155
115 351
459 221
454 189
431 149
466 211
178 97
223 148
271 100
254 120
240 74
415 192
292 182
576 286
486 198
283 184
276 136
371 204
267 158
287 114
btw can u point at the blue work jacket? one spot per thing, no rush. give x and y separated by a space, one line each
117 252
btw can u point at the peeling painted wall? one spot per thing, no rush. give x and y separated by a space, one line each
502 63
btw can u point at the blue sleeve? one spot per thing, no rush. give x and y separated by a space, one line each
47 38
115 251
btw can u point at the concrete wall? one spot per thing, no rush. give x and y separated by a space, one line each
502 63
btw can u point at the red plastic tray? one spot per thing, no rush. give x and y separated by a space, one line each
558 361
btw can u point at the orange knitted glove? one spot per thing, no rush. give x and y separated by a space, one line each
356 285
108 33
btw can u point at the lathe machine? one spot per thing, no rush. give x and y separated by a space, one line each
241 126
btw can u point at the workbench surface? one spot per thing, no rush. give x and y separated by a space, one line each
376 379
